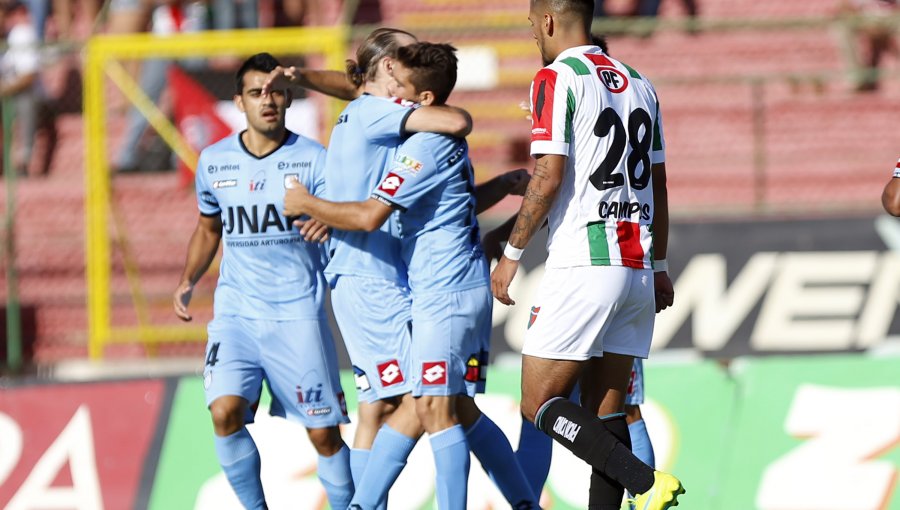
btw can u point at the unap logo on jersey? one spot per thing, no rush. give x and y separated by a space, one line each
390 184
612 78
390 373
434 372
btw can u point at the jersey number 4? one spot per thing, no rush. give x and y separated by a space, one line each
610 124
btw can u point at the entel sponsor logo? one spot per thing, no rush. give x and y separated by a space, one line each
230 167
434 372
390 373
566 429
391 183
293 165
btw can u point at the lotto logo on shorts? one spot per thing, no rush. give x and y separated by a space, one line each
535 310
434 372
390 373
391 184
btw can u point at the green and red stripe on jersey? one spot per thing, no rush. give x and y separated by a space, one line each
605 238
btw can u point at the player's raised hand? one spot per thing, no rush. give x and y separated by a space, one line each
525 106
294 197
501 277
517 180
665 292
280 78
313 230
181 300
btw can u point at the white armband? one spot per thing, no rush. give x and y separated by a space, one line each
512 253
660 266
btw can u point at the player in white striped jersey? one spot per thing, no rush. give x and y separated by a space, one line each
890 197
600 176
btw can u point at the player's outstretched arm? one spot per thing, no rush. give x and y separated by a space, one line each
444 119
368 215
665 292
539 196
487 194
201 250
890 197
330 83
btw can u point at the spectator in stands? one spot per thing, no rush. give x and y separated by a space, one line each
877 38
170 17
20 82
890 197
231 14
647 9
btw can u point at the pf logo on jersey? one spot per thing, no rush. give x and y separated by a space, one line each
390 373
434 372
391 184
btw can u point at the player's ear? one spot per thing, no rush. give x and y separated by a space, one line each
426 98
548 24
239 103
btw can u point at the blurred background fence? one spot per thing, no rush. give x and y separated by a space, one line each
769 112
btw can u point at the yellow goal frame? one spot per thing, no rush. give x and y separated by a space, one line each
102 57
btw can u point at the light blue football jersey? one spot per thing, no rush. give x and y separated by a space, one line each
267 271
361 145
431 181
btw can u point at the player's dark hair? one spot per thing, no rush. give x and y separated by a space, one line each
600 40
380 43
433 68
582 10
263 62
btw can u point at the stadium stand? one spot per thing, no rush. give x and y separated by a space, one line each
758 121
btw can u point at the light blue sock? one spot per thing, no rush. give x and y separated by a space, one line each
389 453
334 473
451 462
358 460
239 459
640 443
534 455
492 449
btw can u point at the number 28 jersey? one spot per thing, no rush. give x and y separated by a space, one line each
604 117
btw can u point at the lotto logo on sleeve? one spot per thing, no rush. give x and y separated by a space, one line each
434 372
390 373
391 184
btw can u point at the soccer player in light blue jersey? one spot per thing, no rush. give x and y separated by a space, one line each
269 321
370 297
431 182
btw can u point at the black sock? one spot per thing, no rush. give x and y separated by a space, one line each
606 493
590 440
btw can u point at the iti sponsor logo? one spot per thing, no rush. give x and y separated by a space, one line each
566 429
391 184
258 182
434 372
535 310
390 373
310 395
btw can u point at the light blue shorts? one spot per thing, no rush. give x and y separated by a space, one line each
451 341
374 318
296 358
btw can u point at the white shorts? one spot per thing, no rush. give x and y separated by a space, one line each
582 312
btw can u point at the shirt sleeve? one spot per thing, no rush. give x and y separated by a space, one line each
413 172
206 199
383 120
317 181
552 108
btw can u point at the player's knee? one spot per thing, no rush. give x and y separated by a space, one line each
326 441
227 415
435 413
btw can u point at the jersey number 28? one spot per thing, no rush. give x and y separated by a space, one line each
609 122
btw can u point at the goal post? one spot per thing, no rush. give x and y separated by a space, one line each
102 61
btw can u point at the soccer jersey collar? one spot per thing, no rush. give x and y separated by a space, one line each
577 51
288 136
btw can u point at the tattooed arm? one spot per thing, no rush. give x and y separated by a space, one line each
539 196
